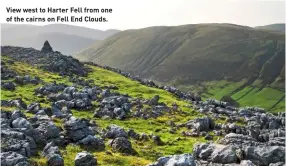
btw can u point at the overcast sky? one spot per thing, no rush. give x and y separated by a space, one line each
133 14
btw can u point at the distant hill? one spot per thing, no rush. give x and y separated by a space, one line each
199 55
67 38
64 43
273 27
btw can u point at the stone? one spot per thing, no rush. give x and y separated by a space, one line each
53 155
239 140
114 131
17 114
224 155
33 108
55 160
264 155
175 160
122 145
8 86
157 140
203 151
21 123
154 100
132 134
92 142
12 159
85 159
246 163
77 129
202 124
18 142
47 47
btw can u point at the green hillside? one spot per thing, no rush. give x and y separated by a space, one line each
270 99
147 151
190 55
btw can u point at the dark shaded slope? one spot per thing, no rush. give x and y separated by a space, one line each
190 54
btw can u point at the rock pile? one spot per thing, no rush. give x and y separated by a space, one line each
49 60
47 47
27 79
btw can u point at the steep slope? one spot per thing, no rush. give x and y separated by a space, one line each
273 27
193 54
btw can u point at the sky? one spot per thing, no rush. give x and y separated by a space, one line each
134 14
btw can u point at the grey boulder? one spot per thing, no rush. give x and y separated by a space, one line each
176 160
85 159
21 123
13 159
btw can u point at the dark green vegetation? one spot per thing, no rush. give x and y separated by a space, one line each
147 151
217 56
273 27
67 39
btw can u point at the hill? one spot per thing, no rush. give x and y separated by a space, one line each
190 55
67 44
56 110
273 27
67 38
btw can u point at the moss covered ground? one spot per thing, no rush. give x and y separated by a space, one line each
148 152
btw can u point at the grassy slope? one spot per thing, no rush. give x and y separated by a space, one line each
193 53
147 151
265 97
192 56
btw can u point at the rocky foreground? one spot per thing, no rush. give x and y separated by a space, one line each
258 140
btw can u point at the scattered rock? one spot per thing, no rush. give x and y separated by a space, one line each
175 160
122 145
77 129
85 159
13 159
114 131
92 142
8 86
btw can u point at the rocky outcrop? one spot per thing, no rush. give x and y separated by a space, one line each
77 129
49 60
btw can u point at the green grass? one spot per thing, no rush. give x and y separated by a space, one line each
147 151
133 88
265 98
26 92
248 96
218 89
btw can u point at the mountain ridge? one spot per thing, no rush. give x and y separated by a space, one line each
147 55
